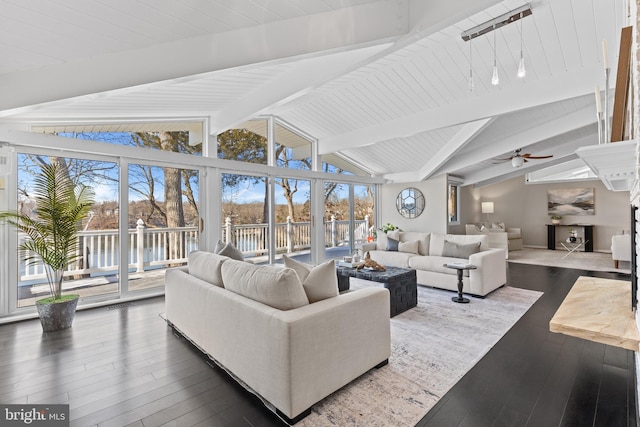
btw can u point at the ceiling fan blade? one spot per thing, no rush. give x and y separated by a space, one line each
539 157
505 160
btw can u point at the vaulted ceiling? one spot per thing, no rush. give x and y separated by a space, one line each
383 83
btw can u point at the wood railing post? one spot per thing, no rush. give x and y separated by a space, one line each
366 222
140 245
334 231
290 238
228 230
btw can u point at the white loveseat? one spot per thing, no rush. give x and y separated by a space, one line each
292 356
428 257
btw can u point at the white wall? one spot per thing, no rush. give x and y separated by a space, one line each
520 205
434 217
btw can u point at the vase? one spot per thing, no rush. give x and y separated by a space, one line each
555 221
58 315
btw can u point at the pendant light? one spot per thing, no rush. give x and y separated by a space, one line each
521 69
495 79
471 84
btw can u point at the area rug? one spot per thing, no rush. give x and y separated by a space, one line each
433 346
594 261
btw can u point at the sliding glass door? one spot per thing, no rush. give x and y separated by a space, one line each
95 273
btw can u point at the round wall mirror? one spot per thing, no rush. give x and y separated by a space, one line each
410 202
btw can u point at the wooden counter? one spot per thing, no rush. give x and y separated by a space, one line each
598 310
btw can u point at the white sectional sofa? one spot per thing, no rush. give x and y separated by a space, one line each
428 252
257 323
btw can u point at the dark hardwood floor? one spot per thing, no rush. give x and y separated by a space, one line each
122 366
534 377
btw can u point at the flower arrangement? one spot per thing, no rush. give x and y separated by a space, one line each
388 227
556 216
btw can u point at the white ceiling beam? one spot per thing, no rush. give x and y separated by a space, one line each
518 97
308 75
562 125
339 29
409 176
505 170
516 172
463 137
559 126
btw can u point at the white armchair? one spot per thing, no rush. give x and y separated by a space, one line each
501 237
620 248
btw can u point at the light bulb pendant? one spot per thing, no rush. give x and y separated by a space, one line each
495 79
522 71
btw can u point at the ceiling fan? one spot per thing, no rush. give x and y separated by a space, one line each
518 159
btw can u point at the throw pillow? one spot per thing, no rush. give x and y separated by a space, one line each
219 246
392 244
276 287
381 241
231 251
206 266
454 250
319 282
409 247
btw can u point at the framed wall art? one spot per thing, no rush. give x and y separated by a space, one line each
571 201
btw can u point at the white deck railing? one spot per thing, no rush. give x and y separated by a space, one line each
162 247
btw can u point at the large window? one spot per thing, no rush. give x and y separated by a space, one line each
293 218
162 222
348 217
148 216
245 214
178 137
246 143
364 212
96 271
291 150
453 200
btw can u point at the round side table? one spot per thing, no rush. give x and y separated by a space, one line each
460 268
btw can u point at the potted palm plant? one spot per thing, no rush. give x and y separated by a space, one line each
52 238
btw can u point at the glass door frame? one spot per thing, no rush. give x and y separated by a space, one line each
123 220
9 291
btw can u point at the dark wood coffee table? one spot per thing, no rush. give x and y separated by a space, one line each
401 283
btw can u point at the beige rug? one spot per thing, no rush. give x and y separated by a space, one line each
433 346
594 261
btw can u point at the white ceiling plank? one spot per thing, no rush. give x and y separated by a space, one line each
459 140
341 29
516 98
